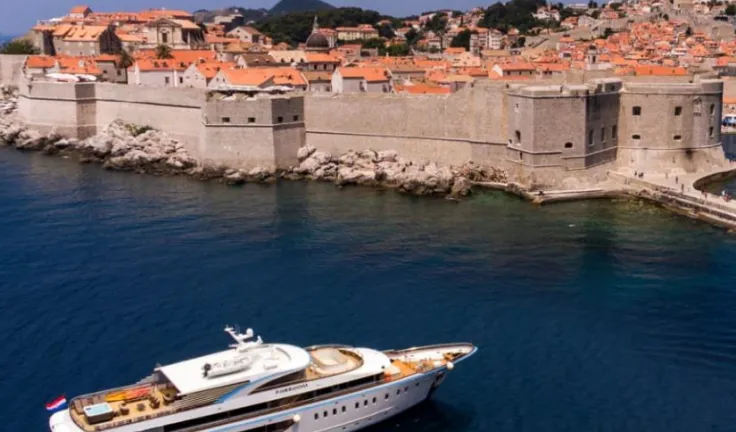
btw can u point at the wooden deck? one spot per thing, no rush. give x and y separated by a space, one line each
125 412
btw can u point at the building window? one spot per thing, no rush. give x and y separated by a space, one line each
334 411
164 37
518 137
678 111
636 111
590 137
296 118
374 400
386 397
678 137
365 402
614 132
710 131
603 134
181 80
279 119
568 145
357 405
226 119
316 416
343 408
712 109
167 80
119 72
251 119
635 136
324 414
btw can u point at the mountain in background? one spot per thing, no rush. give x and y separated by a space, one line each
207 16
288 6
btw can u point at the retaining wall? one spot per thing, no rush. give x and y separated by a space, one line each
11 67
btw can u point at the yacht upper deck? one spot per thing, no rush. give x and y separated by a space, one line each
264 360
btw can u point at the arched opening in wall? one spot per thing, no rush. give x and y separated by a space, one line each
568 145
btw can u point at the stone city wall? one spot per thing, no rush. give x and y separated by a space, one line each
452 129
11 67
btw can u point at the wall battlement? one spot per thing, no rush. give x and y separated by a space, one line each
535 131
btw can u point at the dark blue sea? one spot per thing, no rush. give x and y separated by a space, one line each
590 316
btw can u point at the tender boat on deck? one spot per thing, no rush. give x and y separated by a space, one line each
262 387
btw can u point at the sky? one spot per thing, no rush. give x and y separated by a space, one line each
16 17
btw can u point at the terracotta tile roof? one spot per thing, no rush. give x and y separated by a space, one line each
78 9
62 30
370 74
40 62
321 58
210 69
517 66
246 77
78 65
153 65
729 101
653 70
125 37
152 14
84 33
317 76
421 88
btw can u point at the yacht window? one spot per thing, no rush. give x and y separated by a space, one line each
398 391
324 414
365 402
316 416
386 397
334 411
374 400
357 405
343 408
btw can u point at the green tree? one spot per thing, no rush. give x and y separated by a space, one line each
397 50
438 23
19 46
412 37
126 60
163 52
730 10
462 40
373 43
516 13
385 31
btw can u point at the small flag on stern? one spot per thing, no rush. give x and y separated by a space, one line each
56 404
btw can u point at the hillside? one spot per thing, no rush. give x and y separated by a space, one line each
288 6
207 16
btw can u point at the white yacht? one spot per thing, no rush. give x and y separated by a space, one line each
257 386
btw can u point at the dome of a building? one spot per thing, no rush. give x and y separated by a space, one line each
317 41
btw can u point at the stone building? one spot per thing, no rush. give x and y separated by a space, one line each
175 33
246 34
361 80
85 40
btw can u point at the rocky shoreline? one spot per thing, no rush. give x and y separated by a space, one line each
140 149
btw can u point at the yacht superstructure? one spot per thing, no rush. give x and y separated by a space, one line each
257 386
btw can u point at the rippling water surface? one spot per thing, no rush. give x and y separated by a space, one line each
590 316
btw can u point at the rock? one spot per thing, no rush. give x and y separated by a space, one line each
461 187
309 166
30 140
386 156
304 152
235 177
99 145
347 175
349 158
